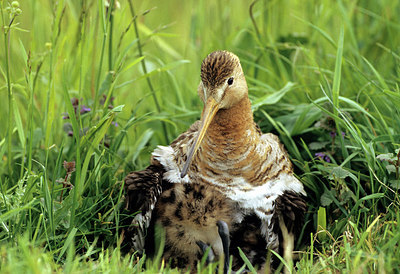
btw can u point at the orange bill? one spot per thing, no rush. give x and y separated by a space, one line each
210 109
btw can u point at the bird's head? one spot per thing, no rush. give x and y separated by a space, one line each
222 80
222 86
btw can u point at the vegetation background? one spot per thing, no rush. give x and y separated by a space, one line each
88 94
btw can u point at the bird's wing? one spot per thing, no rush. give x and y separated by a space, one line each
142 190
286 224
290 204
290 207
173 157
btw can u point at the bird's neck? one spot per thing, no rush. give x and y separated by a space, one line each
233 153
228 147
231 133
233 121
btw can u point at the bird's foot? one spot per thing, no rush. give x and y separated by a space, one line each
204 247
223 231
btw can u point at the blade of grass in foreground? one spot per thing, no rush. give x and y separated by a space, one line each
336 91
247 262
69 241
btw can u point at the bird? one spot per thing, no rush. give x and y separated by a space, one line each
219 186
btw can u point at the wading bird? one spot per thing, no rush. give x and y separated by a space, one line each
221 182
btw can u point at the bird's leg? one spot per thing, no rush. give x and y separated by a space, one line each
204 247
223 232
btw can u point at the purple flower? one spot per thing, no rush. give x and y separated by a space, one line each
332 134
323 157
343 133
327 159
85 109
70 133
115 123
77 107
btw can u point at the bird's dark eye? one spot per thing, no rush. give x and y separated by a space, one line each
230 81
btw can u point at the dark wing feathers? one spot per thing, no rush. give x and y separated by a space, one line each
142 190
292 207
289 207
247 235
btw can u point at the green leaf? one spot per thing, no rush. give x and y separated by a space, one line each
317 145
387 138
307 116
140 143
366 198
326 197
391 168
395 184
339 173
393 95
118 108
386 157
321 223
346 195
164 68
271 99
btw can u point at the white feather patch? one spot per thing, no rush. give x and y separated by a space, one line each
165 155
260 199
251 196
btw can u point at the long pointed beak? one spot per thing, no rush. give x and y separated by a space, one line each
210 109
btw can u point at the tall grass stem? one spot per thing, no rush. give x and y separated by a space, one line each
144 68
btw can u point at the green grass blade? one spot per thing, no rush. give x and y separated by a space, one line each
68 242
321 223
246 261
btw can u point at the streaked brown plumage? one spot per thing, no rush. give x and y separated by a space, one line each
222 168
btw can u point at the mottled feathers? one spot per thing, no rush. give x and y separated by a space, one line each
216 67
142 188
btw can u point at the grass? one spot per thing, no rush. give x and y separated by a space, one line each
323 75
